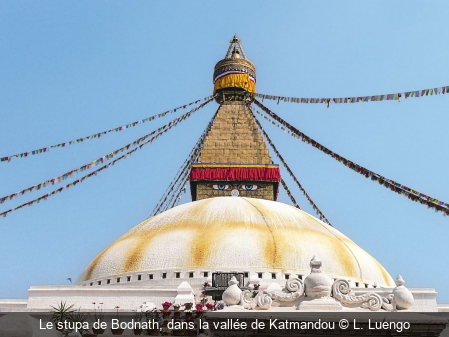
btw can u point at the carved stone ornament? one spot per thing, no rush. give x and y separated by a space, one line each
318 288
293 290
342 292
317 284
402 297
231 296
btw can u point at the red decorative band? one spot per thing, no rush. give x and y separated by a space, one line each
263 173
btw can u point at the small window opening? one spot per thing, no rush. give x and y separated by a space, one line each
273 276
287 276
99 283
91 283
178 275
108 281
246 274
259 275
191 274
118 279
206 274
357 284
150 276
139 277
128 278
164 275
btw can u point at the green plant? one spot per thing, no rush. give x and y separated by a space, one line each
79 320
98 315
138 314
61 314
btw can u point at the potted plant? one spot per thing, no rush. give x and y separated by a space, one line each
256 286
210 306
204 296
177 306
177 312
188 313
117 331
219 306
166 313
138 315
61 314
191 329
79 320
188 305
153 317
166 305
178 329
199 310
99 317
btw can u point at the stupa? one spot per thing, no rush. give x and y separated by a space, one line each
234 224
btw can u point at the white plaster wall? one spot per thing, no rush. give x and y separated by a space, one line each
198 280
443 308
127 298
9 305
425 300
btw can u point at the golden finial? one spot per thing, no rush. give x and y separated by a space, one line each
237 50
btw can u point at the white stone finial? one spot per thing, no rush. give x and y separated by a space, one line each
399 280
185 293
231 296
254 280
402 297
318 284
315 262
232 281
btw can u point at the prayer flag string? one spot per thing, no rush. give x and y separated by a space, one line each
80 180
182 190
184 178
309 199
372 98
193 155
99 134
411 194
284 185
100 160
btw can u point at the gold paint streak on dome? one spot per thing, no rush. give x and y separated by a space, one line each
284 236
96 260
135 256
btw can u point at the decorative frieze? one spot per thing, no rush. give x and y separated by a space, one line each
320 293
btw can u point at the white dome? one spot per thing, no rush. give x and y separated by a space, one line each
238 234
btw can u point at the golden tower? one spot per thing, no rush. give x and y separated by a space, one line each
234 160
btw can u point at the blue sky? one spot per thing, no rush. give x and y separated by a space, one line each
73 68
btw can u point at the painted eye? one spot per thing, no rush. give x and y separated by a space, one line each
220 187
249 187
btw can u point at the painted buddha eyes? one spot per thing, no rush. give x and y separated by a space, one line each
249 187
244 187
221 187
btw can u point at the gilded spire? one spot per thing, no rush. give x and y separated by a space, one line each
237 49
234 76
